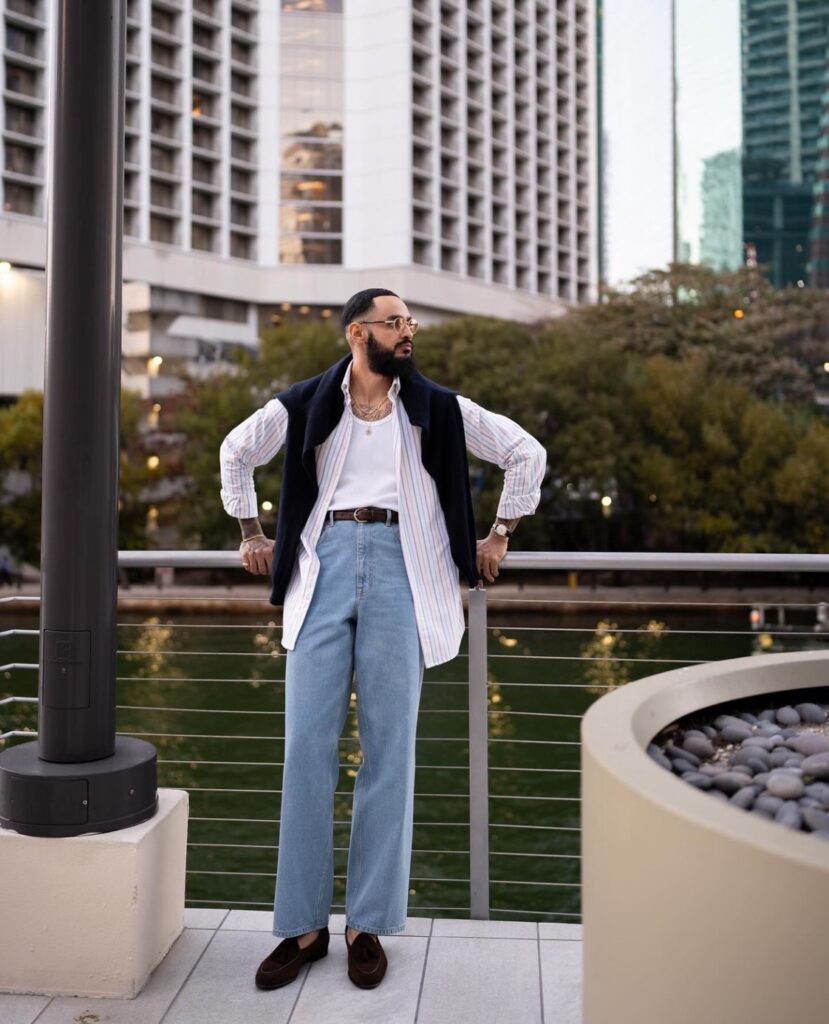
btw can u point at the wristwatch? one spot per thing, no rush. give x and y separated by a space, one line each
501 530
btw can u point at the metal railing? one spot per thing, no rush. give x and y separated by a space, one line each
478 681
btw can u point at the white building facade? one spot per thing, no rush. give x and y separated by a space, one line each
282 154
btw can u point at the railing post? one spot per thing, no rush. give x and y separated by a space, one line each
478 759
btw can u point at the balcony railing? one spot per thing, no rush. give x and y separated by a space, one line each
503 715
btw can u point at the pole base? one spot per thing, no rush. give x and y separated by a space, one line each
47 798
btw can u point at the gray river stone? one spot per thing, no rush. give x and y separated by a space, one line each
816 765
767 764
787 716
812 713
735 733
768 803
779 757
809 743
721 721
728 782
698 780
789 815
819 791
761 742
673 751
701 746
787 787
658 756
752 756
744 797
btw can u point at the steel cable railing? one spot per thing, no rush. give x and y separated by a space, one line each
489 679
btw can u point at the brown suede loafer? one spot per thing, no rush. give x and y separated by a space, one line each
284 964
367 961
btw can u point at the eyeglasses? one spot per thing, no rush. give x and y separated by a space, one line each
396 323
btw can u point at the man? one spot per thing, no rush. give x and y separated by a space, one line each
375 523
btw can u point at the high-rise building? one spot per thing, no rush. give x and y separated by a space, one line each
281 155
820 217
785 49
725 135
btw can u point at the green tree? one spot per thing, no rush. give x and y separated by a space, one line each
21 475
715 468
210 409
700 425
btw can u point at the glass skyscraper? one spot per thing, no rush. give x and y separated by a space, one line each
785 45
736 90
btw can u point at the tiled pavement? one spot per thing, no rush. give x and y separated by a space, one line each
440 970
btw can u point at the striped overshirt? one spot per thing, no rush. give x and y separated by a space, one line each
432 573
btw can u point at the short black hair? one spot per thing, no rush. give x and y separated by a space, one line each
361 303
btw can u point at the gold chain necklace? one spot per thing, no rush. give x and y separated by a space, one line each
369 412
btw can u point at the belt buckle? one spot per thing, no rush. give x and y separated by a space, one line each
363 508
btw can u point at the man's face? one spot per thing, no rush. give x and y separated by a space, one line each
389 352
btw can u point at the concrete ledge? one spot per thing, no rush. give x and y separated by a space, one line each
691 906
92 915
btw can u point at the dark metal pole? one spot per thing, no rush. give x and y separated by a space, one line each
78 777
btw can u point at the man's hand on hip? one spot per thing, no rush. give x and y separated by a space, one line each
491 551
257 555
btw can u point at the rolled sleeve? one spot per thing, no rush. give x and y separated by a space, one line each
252 443
496 438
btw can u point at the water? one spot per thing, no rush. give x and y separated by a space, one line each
208 693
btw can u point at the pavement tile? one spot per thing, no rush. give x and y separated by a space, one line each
329 994
222 989
550 930
150 1005
16 1009
561 977
477 929
204 917
472 980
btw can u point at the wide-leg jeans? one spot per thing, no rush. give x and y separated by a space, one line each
359 632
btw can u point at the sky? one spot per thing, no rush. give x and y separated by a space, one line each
637 100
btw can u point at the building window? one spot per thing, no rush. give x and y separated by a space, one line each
162 229
300 249
311 123
322 187
21 160
203 238
19 198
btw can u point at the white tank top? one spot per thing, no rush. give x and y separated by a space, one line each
368 476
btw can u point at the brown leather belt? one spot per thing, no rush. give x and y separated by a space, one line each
366 514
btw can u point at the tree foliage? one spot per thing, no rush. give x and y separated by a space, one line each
700 425
21 476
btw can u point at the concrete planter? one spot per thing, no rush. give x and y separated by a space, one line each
692 909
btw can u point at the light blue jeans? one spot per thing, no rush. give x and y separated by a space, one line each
360 621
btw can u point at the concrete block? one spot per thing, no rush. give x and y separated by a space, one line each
92 915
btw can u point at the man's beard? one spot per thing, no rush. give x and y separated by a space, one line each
385 362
